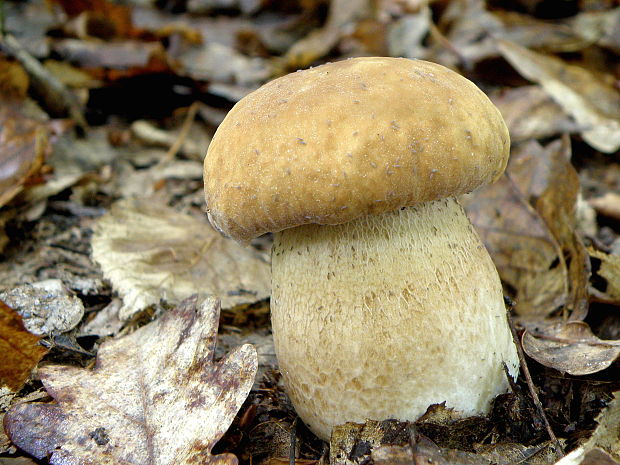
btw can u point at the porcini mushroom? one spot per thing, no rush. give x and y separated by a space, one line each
384 299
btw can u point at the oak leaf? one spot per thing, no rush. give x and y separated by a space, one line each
154 397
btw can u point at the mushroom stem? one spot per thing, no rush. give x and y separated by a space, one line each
386 315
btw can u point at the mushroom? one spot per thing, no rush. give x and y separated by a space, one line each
384 299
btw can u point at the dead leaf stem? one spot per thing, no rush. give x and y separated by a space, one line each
187 125
530 384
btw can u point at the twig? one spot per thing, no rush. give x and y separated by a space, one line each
293 446
56 97
187 124
531 387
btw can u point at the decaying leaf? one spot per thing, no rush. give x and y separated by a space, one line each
23 146
603 447
523 249
19 349
343 14
528 222
530 113
150 252
570 348
607 433
593 103
557 205
607 205
154 397
46 306
609 270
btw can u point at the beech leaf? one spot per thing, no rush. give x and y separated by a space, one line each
154 397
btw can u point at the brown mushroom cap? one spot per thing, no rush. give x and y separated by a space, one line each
343 140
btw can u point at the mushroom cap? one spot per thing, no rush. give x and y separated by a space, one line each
343 140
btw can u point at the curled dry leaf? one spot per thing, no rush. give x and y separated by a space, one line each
150 252
594 104
19 350
154 397
570 348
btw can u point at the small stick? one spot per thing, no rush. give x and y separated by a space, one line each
293 446
531 387
187 124
56 97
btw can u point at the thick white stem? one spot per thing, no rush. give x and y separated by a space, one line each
383 316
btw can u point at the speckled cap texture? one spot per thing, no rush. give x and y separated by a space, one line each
334 143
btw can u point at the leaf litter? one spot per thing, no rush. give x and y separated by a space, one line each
150 253
145 63
160 397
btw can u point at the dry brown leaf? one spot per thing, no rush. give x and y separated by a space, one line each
522 247
570 348
609 270
607 205
115 55
155 397
537 250
221 63
343 14
557 205
23 146
594 104
19 350
603 447
530 113
150 252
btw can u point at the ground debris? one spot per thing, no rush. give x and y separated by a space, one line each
162 378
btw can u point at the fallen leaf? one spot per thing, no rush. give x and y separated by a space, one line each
150 252
154 397
406 34
530 113
557 205
523 249
213 61
19 349
46 306
609 270
570 348
594 104
607 433
603 447
599 27
607 205
115 55
14 81
342 16
23 147
528 222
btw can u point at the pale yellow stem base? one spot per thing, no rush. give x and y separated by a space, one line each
383 316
